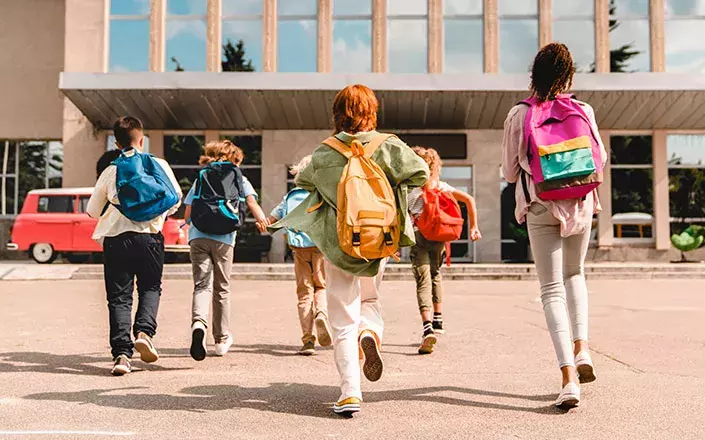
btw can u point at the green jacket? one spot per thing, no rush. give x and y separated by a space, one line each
403 168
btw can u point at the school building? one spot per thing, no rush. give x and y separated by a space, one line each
264 73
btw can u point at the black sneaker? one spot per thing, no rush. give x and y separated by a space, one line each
198 341
121 366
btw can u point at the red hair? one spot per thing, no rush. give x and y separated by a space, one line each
355 109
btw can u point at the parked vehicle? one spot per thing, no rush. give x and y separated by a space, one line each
54 221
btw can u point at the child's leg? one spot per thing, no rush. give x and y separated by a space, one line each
148 257
222 266
344 316
319 283
421 264
436 260
119 287
370 308
304 291
202 267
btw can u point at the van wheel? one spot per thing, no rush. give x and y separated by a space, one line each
43 253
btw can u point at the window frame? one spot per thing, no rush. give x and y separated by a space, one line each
122 17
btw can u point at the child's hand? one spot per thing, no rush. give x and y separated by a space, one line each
262 227
475 234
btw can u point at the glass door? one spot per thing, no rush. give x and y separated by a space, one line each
460 178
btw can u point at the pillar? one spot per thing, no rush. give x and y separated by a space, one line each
602 36
435 36
214 39
545 22
379 36
657 24
662 215
269 36
325 36
156 142
605 230
491 47
157 36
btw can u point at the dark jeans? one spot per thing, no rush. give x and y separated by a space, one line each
127 256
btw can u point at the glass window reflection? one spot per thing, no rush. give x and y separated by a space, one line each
129 7
297 7
579 36
518 7
297 46
462 7
352 46
352 7
686 150
408 46
186 7
186 45
250 33
518 43
129 46
242 7
463 45
407 7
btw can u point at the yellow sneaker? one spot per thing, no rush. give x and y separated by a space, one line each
373 366
347 407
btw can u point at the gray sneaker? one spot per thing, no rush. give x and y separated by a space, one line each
145 347
122 366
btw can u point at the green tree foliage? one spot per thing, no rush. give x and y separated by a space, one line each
234 58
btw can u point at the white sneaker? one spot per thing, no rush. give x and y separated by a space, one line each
222 347
569 396
585 368
198 341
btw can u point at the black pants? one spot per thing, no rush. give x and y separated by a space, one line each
127 256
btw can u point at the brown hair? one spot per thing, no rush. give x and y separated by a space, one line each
432 158
355 109
552 72
221 151
127 130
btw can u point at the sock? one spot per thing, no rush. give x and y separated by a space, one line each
437 320
427 328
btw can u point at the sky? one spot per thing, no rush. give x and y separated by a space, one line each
407 34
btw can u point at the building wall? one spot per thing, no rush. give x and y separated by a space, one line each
31 58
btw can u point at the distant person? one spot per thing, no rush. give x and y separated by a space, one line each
438 220
216 207
309 270
130 221
357 216
552 147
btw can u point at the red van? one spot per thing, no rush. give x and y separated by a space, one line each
54 221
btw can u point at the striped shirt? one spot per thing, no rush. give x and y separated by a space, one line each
416 201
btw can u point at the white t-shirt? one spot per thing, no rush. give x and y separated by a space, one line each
415 200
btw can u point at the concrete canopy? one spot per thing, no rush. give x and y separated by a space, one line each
271 101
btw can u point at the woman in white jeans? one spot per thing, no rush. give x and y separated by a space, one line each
559 230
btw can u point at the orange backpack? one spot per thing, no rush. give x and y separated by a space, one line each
441 219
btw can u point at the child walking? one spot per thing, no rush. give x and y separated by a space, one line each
356 219
133 244
427 255
556 196
212 253
309 270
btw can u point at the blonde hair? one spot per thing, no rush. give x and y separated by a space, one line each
432 158
221 151
298 167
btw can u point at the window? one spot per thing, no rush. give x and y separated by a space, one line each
297 31
460 177
58 204
463 31
128 50
242 35
183 152
186 35
110 143
685 31
629 36
574 25
449 146
632 186
518 35
352 36
24 166
407 35
686 176
83 203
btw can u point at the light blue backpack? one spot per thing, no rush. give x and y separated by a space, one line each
295 238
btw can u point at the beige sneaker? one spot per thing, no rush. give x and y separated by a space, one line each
146 349
373 366
323 330
121 366
585 367
308 349
222 347
429 341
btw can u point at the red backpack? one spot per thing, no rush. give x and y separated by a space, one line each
441 219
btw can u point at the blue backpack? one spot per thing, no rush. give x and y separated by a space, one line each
295 238
143 188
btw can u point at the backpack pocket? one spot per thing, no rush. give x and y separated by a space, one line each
566 159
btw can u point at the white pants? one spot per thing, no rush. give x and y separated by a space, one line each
353 306
559 265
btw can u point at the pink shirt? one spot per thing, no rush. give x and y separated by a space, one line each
574 215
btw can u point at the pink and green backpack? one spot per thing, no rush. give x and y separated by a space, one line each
563 150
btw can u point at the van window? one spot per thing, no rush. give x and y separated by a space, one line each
55 204
83 203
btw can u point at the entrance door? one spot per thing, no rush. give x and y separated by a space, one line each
460 177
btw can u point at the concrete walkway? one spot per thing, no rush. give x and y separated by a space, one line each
494 375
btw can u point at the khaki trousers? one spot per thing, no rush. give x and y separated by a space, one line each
211 262
426 261
310 288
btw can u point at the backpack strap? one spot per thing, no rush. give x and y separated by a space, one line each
525 187
346 150
375 143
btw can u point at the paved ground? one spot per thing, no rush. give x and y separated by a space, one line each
493 376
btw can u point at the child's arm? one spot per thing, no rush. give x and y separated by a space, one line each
187 213
305 178
258 213
99 198
469 201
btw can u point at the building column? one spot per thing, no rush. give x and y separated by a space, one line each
657 23
602 36
325 36
214 36
491 47
86 25
212 135
605 230
662 214
269 36
157 36
485 155
156 142
379 36
435 36
545 22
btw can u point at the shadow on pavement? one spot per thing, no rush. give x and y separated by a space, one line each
36 362
289 398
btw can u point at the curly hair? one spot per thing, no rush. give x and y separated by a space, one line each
221 151
432 158
552 72
300 165
355 109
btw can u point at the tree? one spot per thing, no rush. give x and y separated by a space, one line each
179 67
235 58
620 57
